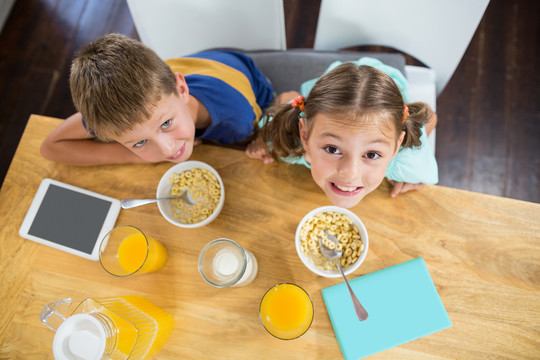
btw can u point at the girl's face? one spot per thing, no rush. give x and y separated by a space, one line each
347 162
169 133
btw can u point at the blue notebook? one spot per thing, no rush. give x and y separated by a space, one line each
402 304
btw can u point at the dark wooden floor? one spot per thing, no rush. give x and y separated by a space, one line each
489 114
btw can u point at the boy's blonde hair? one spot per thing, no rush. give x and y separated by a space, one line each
116 82
354 95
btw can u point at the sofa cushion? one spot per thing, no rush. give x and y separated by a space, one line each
287 70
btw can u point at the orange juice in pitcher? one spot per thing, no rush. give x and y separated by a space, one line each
126 327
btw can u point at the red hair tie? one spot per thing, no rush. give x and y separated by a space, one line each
298 102
405 114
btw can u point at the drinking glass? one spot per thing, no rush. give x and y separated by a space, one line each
126 250
224 263
286 311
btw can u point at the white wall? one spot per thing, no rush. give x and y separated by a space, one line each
5 8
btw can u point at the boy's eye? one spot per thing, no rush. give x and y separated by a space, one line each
166 124
372 155
140 143
332 149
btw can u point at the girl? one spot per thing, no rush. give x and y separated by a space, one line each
348 130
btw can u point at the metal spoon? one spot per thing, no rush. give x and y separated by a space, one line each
334 255
131 203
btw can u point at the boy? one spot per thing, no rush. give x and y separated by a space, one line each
136 108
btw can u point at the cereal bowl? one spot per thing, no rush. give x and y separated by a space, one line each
173 211
310 256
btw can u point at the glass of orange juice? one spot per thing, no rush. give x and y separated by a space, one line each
126 250
286 311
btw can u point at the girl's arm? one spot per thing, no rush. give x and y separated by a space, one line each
257 149
286 97
71 144
432 123
402 187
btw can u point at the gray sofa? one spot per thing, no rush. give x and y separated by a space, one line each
287 70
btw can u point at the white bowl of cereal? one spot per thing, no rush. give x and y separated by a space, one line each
342 223
205 188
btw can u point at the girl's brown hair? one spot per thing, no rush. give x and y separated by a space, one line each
116 82
353 94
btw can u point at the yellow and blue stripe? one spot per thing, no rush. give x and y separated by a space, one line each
231 87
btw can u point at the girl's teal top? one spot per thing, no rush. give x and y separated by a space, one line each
411 165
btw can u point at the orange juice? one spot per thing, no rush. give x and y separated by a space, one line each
125 331
133 251
286 311
163 319
142 328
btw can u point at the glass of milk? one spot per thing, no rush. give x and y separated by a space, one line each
224 263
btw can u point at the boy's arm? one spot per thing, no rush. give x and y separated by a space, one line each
71 144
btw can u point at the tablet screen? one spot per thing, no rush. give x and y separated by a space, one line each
70 218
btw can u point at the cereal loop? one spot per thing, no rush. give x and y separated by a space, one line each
204 188
337 224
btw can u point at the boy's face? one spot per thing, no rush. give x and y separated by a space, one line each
347 162
169 133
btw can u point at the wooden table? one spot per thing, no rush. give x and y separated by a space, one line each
482 252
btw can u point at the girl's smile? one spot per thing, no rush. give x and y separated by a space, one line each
347 161
345 190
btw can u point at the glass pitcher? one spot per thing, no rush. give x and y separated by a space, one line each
126 327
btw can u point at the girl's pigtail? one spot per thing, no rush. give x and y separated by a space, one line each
283 131
419 115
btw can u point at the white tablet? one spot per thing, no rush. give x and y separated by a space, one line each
69 218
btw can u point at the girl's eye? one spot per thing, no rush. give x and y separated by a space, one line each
372 155
140 143
166 124
332 150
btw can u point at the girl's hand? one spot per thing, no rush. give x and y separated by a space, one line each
402 187
257 149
